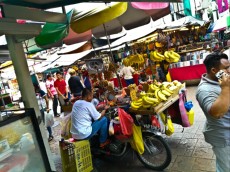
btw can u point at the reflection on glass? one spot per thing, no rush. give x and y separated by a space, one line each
19 149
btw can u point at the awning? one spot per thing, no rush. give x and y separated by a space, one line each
68 59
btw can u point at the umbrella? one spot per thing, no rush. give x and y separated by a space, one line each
130 19
115 17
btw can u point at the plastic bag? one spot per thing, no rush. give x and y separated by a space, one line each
190 115
111 128
137 140
169 128
126 122
49 118
66 126
183 112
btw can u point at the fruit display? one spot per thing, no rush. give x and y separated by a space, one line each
157 93
169 56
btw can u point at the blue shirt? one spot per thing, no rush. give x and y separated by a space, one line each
216 131
83 113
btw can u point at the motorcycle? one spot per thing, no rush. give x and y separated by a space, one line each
157 154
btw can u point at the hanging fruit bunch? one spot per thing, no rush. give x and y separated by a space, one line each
134 59
171 56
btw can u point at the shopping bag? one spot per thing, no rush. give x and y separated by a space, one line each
66 126
126 122
49 118
137 140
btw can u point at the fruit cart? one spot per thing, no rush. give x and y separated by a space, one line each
152 104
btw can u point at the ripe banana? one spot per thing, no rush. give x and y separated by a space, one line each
134 106
166 93
156 95
146 106
164 87
139 101
154 100
149 100
161 95
153 87
173 57
160 55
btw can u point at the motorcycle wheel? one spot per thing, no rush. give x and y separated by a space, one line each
157 154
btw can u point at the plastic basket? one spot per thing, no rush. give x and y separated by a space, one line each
76 156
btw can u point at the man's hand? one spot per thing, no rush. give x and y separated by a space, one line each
106 107
225 81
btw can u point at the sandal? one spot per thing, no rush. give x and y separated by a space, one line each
50 138
58 115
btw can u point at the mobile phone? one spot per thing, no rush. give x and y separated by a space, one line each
220 74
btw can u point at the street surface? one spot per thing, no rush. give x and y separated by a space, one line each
190 153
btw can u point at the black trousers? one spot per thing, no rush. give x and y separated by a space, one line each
55 104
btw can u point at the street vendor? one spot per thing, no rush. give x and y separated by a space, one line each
87 121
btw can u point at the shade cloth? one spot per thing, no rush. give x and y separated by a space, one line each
188 72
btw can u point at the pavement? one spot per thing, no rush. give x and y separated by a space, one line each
190 152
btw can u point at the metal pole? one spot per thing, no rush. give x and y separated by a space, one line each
18 58
106 34
119 81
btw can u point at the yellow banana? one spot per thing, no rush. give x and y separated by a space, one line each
173 57
142 93
166 93
153 100
161 95
139 100
160 55
146 106
156 95
153 87
147 101
164 87
133 106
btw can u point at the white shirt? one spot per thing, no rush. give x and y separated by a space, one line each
127 71
83 113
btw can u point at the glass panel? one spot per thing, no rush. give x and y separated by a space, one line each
19 149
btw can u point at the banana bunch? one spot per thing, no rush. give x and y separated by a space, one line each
171 56
135 105
134 59
156 56
157 93
144 102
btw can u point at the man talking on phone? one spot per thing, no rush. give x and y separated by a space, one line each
213 95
